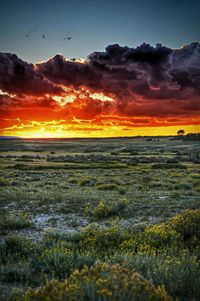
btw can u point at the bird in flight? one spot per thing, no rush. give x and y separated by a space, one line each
68 35
68 38
30 32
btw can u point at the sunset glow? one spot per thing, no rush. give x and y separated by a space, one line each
120 92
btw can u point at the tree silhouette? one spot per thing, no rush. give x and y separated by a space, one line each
180 132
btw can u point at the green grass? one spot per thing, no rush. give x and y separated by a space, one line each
113 202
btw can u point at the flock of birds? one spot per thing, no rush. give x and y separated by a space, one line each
68 35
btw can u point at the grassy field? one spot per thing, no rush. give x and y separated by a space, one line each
100 219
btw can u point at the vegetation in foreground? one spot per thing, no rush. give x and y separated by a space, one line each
109 220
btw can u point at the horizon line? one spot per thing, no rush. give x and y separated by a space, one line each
107 137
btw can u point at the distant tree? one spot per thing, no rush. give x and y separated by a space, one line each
180 132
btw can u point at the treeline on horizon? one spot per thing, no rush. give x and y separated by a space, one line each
187 137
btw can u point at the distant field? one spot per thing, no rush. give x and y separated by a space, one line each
66 204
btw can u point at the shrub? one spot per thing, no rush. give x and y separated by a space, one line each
87 182
101 282
102 241
183 186
153 240
145 179
159 236
20 166
12 222
108 186
16 272
16 248
73 181
179 275
4 182
187 224
73 237
58 262
168 166
104 210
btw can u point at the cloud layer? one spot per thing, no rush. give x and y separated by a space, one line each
158 72
141 82
20 77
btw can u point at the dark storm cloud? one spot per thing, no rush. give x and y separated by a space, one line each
186 66
158 72
144 80
20 77
143 58
68 73
154 72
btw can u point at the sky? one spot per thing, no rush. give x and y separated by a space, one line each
99 68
